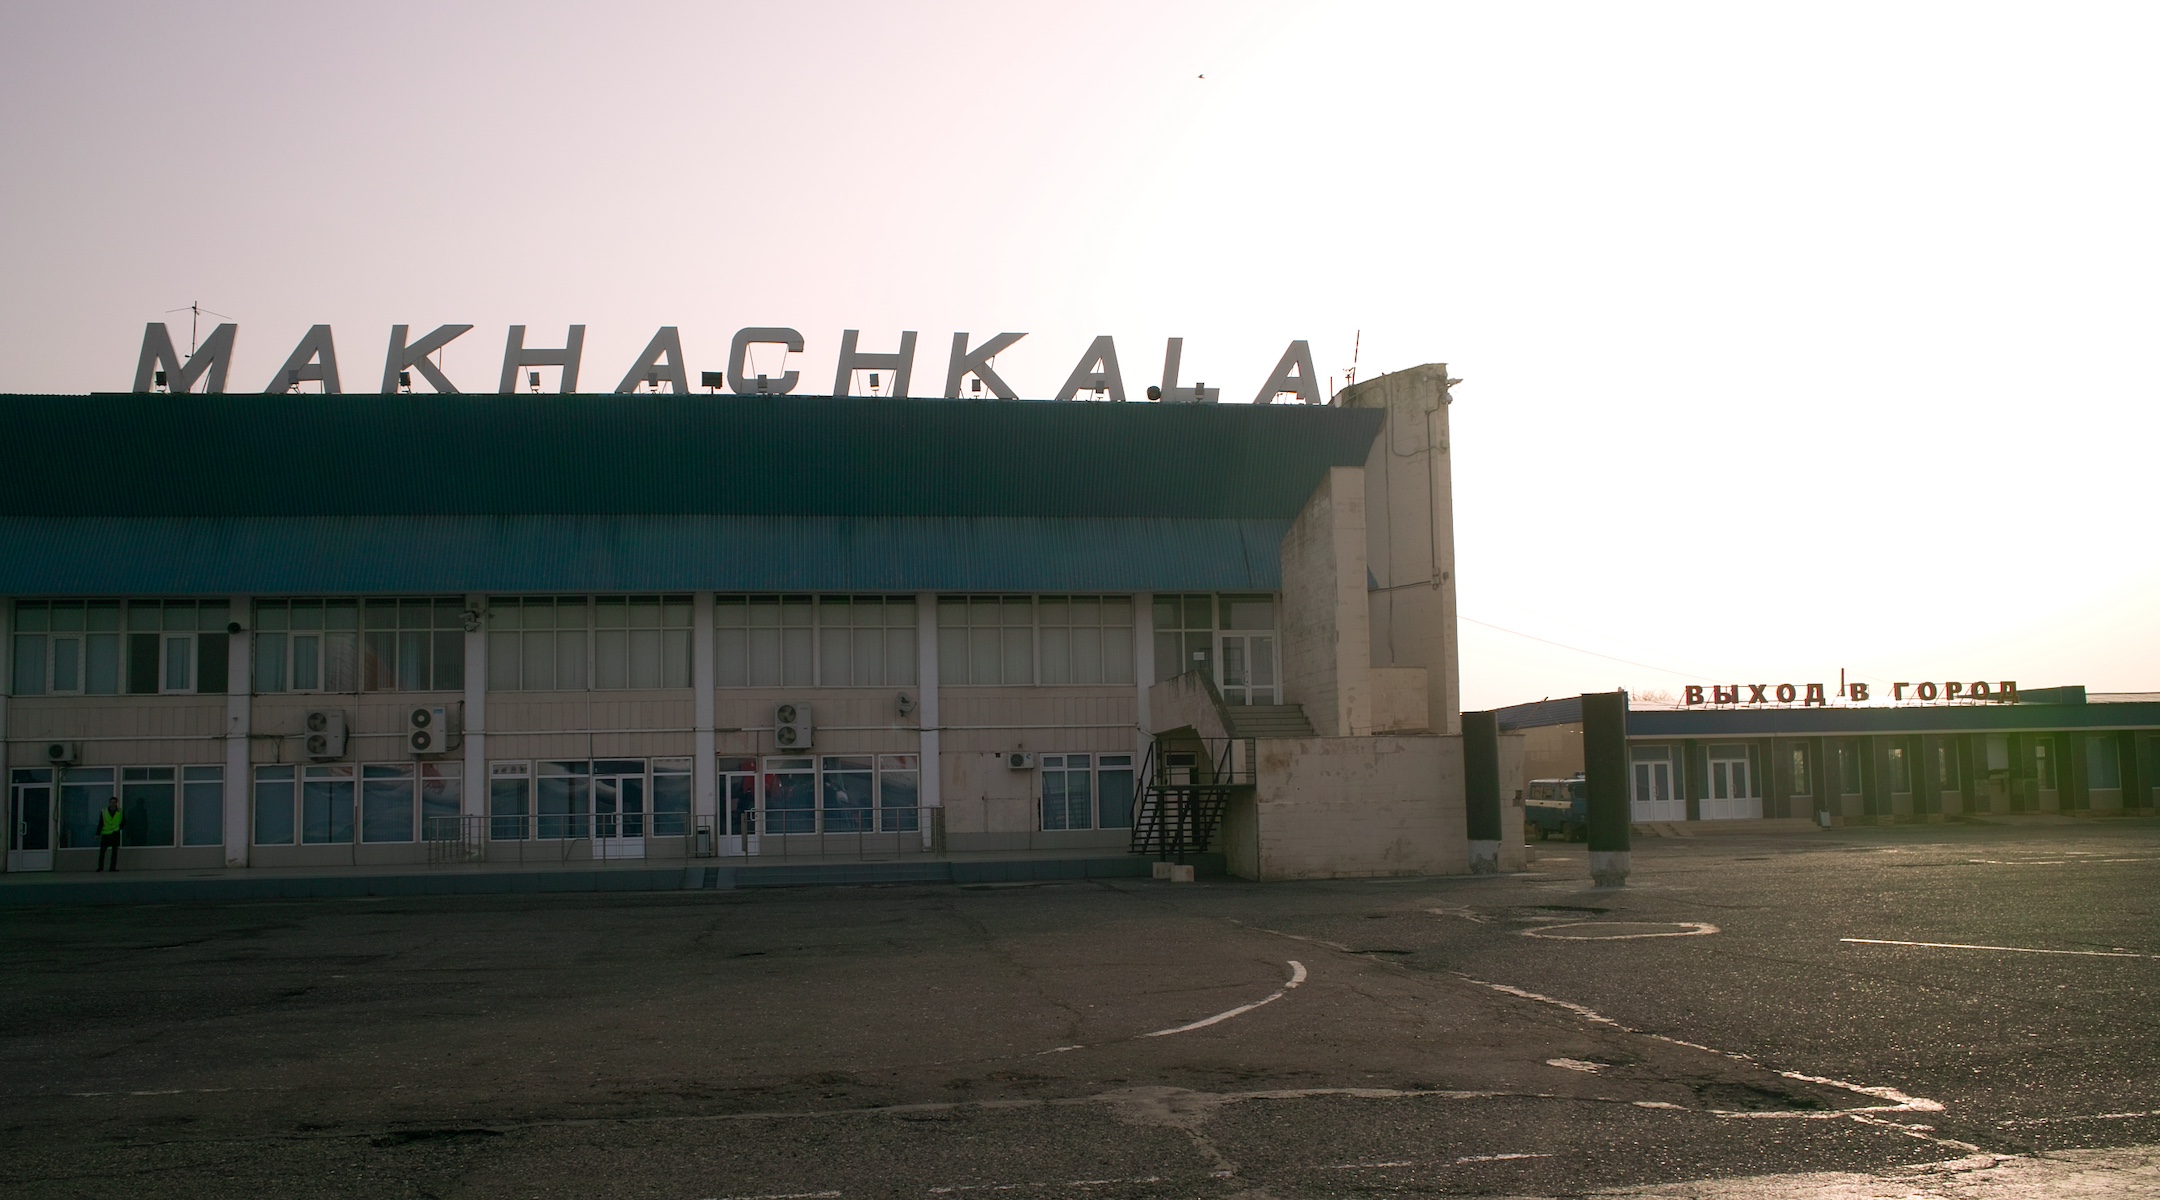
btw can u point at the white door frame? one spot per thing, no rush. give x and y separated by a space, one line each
32 860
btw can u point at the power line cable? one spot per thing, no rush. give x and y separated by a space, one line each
1592 653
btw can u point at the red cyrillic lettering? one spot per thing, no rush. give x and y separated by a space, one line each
1926 691
2008 691
1815 695
1725 695
1787 693
1856 692
1756 692
1897 690
1953 689
1978 690
1694 693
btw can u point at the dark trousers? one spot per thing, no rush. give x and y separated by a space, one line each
108 842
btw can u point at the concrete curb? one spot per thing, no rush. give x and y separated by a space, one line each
653 879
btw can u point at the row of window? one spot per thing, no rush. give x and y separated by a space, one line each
551 643
1733 774
402 802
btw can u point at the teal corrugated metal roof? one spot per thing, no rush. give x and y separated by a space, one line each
181 556
235 455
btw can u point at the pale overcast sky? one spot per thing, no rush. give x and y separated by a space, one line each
1795 338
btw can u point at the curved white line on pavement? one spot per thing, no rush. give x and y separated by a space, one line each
1297 976
1687 929
1997 949
1898 1101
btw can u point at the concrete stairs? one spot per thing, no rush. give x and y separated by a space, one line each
1267 721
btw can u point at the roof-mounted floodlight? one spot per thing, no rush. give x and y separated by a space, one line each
532 379
712 381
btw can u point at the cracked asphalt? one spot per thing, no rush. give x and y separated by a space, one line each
1707 1031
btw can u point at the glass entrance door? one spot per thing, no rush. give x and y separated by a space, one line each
1732 786
1248 668
739 800
30 821
1653 798
619 808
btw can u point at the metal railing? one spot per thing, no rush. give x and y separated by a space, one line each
459 839
863 834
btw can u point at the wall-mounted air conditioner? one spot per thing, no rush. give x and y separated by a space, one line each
63 754
437 729
325 735
1020 760
792 727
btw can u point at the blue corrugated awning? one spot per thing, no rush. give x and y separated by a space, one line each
183 556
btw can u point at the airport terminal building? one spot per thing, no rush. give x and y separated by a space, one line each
311 631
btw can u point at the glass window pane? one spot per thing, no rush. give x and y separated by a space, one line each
900 656
101 668
675 658
413 674
764 656
341 658
270 662
952 647
212 616
505 660
796 611
378 666
645 612
731 658
386 804
202 802
67 616
952 611
1250 612
563 804
796 656
676 614
272 615
670 804
509 806
611 612
32 616
338 614
867 667
29 664
867 612
449 614
379 614
983 656
144 616
1056 654
645 654
273 806
2102 762
611 657
449 662
308 614
570 665
67 663
1086 654
730 612
1117 654
504 613
790 799
179 664
1169 656
833 652
442 799
846 794
1116 786
83 793
1117 610
326 806
103 616
1199 612
1019 610
1056 610
148 806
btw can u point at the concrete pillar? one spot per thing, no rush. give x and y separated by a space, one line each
1481 787
1327 618
704 778
1143 670
1410 526
239 723
1605 773
1875 775
476 681
930 783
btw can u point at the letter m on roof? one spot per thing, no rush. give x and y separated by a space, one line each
208 362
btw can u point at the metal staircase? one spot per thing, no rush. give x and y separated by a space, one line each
1190 780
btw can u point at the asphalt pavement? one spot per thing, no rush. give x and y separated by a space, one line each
1945 1010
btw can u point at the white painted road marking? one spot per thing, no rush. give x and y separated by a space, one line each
1297 976
1594 931
1997 949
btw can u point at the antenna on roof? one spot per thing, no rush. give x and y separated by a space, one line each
196 311
1357 342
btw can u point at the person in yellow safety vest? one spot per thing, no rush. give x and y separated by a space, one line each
108 833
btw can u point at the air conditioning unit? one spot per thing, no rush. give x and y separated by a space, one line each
792 728
436 730
63 754
1021 760
326 733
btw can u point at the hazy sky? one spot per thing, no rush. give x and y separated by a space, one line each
1795 338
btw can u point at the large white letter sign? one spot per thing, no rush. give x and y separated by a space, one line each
1304 383
739 353
314 358
1199 393
1102 352
666 344
210 359
965 362
515 355
414 357
902 365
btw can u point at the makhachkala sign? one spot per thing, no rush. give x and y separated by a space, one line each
2005 692
314 360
